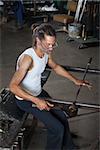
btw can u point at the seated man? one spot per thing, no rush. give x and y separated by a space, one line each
26 85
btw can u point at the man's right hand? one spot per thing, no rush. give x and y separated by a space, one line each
43 105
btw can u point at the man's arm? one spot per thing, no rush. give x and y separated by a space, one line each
25 64
15 84
62 72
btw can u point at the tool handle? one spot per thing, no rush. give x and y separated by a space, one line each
86 70
90 60
87 67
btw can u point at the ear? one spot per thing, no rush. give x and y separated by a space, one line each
38 42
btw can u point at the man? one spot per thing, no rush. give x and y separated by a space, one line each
26 85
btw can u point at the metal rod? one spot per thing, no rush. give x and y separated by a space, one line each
60 101
86 70
82 10
79 69
79 5
96 106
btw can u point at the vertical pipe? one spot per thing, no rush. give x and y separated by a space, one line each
79 5
82 10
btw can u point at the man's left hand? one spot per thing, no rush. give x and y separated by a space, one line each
83 83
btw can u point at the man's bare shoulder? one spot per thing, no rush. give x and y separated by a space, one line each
25 61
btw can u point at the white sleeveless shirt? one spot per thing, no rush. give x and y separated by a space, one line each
32 81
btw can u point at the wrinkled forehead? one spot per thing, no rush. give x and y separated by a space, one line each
49 39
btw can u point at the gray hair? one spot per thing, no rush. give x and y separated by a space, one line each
41 30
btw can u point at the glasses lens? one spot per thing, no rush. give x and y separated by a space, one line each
44 44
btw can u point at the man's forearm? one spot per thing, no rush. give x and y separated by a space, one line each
22 94
62 72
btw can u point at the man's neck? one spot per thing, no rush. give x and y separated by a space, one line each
39 52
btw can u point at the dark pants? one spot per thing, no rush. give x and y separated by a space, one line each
58 133
19 12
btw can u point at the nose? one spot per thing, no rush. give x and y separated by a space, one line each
50 46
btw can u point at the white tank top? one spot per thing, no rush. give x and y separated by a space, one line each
32 81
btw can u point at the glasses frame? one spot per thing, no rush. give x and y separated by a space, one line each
46 45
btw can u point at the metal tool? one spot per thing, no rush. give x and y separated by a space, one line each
73 108
86 70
